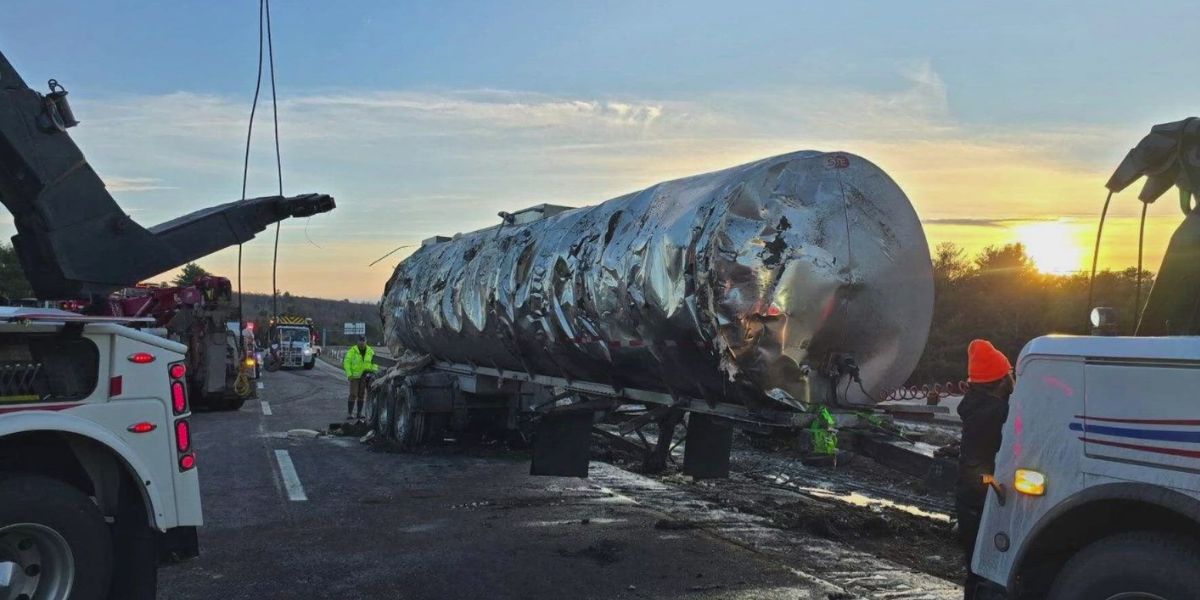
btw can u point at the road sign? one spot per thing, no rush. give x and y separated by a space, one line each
354 329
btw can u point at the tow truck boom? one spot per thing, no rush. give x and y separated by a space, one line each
1170 156
73 240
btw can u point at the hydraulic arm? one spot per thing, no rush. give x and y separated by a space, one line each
1170 156
73 240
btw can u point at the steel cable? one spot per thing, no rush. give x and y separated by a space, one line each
278 160
246 158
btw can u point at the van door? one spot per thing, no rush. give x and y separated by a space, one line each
1142 420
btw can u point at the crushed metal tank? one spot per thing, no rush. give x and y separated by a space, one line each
742 285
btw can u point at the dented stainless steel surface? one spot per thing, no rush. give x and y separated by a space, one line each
727 286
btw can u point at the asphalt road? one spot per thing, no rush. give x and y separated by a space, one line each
447 523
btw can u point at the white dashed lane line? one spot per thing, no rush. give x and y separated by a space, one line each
291 480
266 407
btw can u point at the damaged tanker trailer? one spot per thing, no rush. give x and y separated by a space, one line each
755 297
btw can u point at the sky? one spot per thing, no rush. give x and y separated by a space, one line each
1001 122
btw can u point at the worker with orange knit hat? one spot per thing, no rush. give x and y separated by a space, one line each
983 409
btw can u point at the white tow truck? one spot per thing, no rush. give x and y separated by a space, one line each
97 473
1096 491
98 478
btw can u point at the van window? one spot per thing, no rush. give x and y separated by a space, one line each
47 368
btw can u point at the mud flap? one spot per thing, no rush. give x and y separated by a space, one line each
706 453
562 444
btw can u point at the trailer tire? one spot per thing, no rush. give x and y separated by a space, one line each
235 403
66 534
371 409
1158 563
309 365
383 423
408 425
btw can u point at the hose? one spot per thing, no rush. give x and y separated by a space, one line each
1096 253
1137 302
242 385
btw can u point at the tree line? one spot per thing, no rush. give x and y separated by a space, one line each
999 294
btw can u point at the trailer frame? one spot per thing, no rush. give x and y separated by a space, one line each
410 406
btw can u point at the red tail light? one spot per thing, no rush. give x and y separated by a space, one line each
177 371
116 385
187 462
178 397
141 358
183 435
143 427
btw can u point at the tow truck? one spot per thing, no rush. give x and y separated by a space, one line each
1096 494
93 427
202 316
98 480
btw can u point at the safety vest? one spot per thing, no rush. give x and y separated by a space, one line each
355 364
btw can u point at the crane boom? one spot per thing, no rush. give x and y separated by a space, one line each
1170 156
73 239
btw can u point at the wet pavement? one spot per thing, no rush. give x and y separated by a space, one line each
323 517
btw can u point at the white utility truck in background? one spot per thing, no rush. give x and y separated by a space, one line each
292 343
1096 494
98 482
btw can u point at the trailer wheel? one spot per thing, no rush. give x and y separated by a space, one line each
371 409
383 423
408 424
1141 565
54 542
309 366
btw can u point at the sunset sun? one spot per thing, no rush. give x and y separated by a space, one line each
1053 246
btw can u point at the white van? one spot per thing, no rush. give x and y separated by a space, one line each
1098 493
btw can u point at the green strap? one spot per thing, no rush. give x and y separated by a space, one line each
824 433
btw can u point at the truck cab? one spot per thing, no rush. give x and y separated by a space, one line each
1097 491
293 336
98 478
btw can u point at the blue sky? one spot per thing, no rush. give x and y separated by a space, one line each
428 117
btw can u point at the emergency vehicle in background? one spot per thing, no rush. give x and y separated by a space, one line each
292 340
98 481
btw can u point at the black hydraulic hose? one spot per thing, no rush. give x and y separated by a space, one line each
1137 301
1096 252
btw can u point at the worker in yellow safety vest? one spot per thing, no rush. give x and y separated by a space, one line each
359 360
